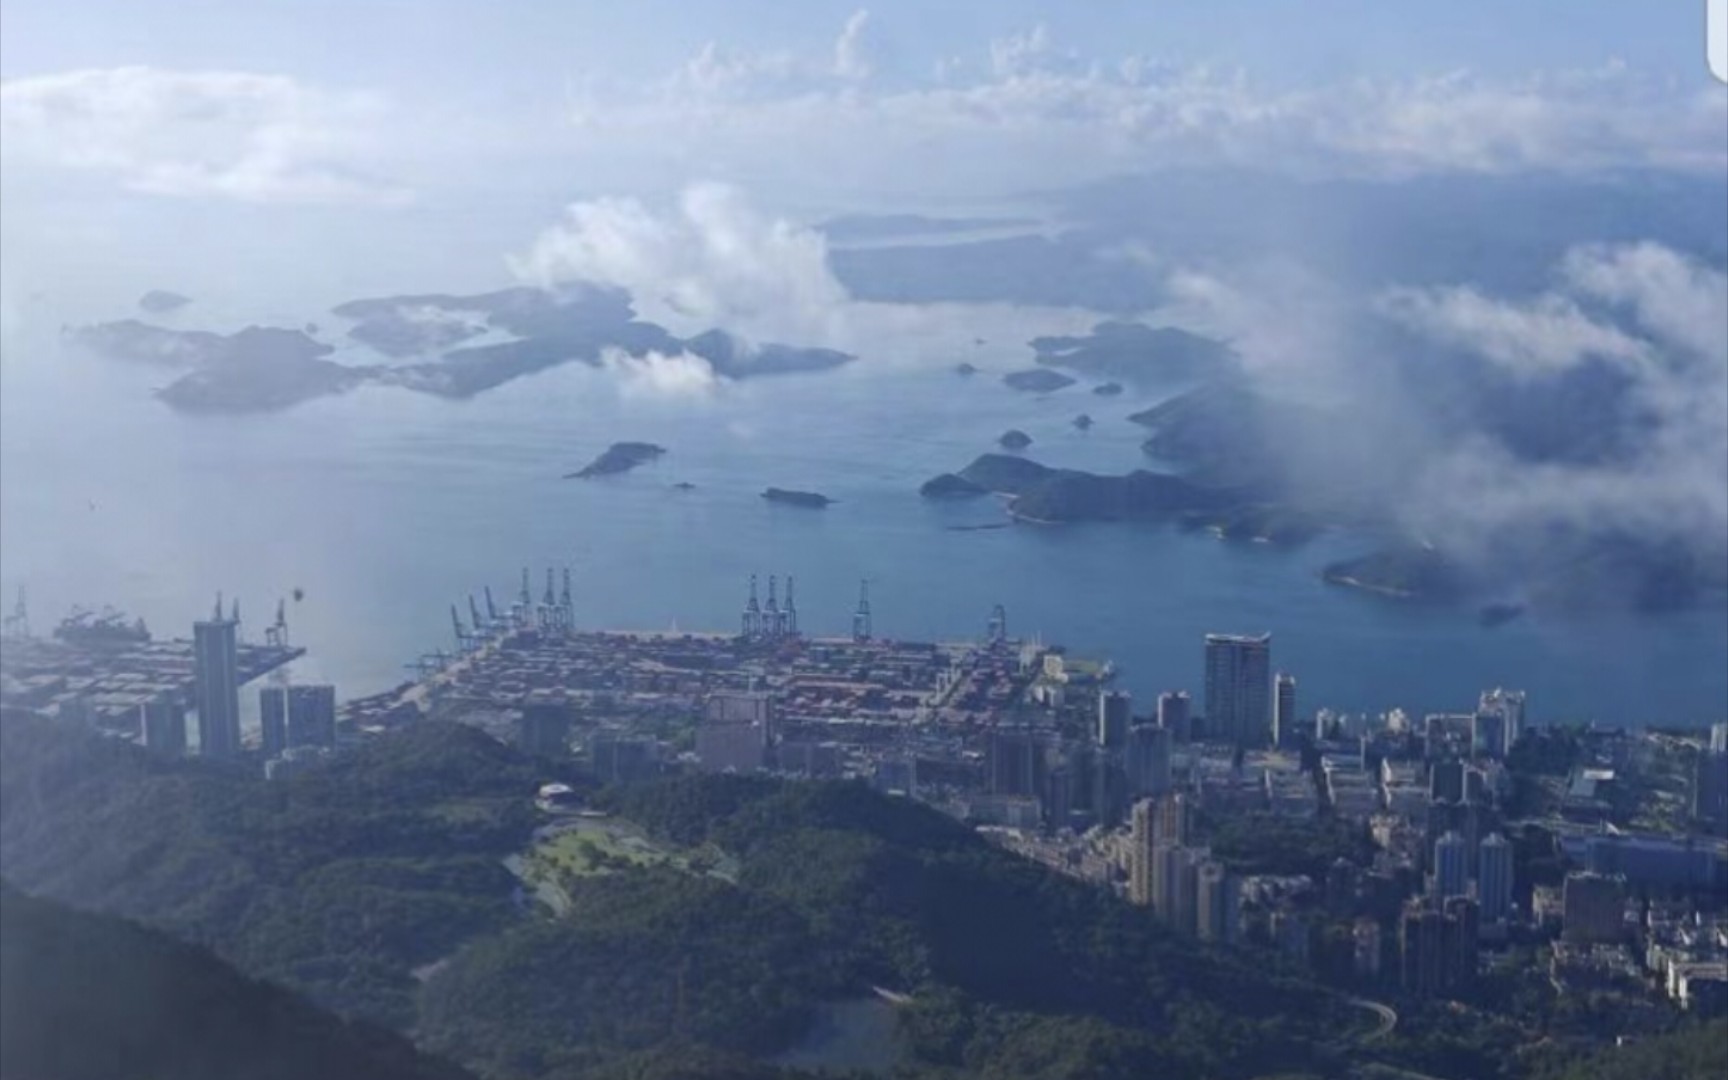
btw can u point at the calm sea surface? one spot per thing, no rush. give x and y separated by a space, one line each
385 507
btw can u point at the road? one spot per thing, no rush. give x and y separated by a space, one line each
1388 1018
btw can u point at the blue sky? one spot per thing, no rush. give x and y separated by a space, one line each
464 46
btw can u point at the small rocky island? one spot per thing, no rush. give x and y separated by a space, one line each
1037 380
620 457
1083 422
1109 389
809 499
964 368
1014 439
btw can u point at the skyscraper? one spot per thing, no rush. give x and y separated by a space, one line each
1148 760
1170 822
312 716
1140 853
273 720
216 685
1239 689
1719 737
162 725
1284 709
1451 870
1013 759
1175 716
1217 900
1509 706
1494 878
1113 718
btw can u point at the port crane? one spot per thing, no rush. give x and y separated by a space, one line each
276 634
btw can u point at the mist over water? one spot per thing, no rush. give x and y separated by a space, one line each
385 507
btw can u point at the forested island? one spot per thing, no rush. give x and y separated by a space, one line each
809 499
620 457
263 369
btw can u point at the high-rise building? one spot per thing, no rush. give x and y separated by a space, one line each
1719 737
162 725
542 730
1451 866
1175 715
1239 689
1148 760
1710 791
1113 719
1217 902
1463 928
1422 948
1170 823
1509 706
1446 782
1494 878
273 720
1488 735
216 685
1175 884
312 716
1140 848
620 760
1109 789
1593 907
1284 709
1012 763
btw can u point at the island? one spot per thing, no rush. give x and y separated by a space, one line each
1014 439
965 368
620 457
398 332
1136 353
1083 422
1109 389
161 301
1402 572
270 368
1040 494
1037 380
683 485
951 486
732 359
809 499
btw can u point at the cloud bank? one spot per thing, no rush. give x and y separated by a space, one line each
201 134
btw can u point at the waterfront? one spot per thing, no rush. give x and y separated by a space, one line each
385 507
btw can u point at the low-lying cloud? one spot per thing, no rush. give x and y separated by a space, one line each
209 134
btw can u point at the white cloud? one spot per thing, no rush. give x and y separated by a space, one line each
658 375
714 260
1532 337
1034 114
1665 328
851 51
236 135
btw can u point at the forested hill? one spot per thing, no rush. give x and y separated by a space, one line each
1014 972
337 882
770 901
92 997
